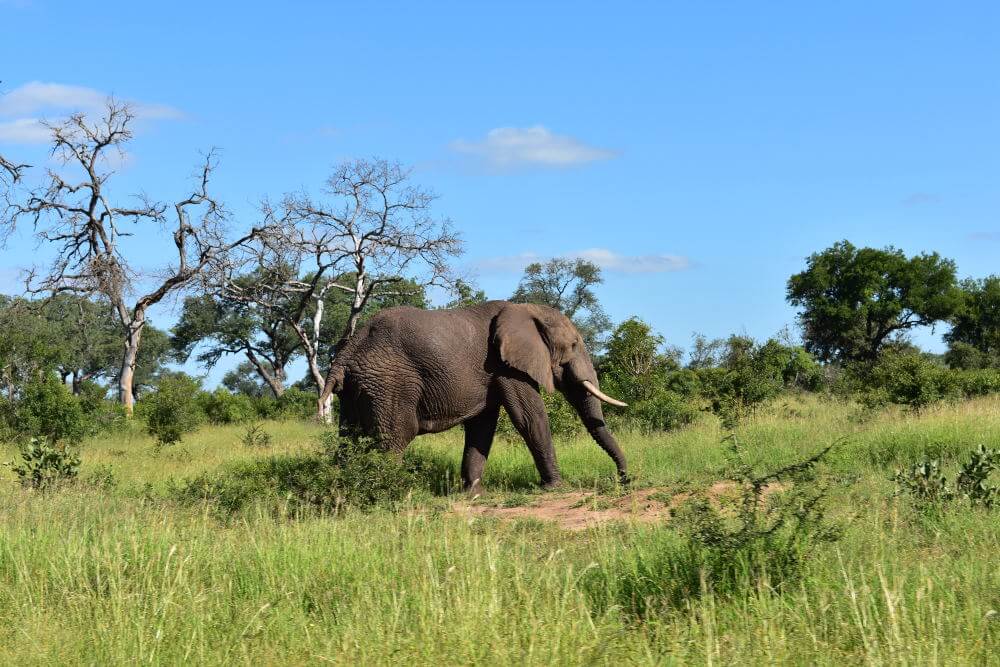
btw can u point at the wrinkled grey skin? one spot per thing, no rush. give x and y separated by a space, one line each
411 371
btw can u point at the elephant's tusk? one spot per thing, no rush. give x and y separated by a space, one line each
589 386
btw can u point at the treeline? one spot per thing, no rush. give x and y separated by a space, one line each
79 347
59 356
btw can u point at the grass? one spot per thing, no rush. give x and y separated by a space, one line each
118 573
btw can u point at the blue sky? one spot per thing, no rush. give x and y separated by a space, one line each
699 151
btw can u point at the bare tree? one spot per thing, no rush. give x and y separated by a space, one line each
78 217
10 172
371 238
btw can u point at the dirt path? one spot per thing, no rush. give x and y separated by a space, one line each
579 510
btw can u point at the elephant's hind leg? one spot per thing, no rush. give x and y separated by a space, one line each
395 420
479 432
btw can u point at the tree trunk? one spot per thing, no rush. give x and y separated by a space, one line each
126 394
275 381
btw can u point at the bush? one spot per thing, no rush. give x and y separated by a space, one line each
664 411
45 465
906 378
930 488
978 382
964 356
103 416
749 375
342 472
256 437
223 407
294 403
686 382
710 551
173 410
48 409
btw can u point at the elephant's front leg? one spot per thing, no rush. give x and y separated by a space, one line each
479 432
527 412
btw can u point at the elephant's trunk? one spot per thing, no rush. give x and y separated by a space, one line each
589 409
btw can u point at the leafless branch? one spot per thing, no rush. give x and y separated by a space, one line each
81 220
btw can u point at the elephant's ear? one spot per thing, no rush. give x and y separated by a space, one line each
521 344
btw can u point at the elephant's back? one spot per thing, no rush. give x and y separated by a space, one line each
430 334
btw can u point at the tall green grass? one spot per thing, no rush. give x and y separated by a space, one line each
116 572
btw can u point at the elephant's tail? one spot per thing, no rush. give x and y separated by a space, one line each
334 382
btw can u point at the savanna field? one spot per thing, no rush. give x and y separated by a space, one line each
137 561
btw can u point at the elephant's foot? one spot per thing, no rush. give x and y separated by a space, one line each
551 484
475 489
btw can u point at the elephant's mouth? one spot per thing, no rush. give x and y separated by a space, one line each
589 386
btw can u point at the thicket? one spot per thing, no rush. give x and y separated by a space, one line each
340 473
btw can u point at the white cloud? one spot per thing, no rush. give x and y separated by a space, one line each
26 104
602 257
512 146
23 131
612 261
37 96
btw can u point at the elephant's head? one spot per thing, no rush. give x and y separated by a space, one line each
542 343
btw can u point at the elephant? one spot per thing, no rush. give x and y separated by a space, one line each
410 371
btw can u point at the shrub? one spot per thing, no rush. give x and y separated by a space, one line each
979 382
173 410
971 481
342 472
686 382
664 411
48 409
749 375
103 416
367 476
256 437
44 465
634 366
295 403
224 407
907 378
965 356
925 482
930 488
767 543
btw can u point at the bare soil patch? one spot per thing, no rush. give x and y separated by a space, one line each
580 510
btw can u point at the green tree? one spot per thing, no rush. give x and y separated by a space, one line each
568 286
245 380
28 348
855 300
173 410
466 295
635 365
974 339
222 325
90 343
